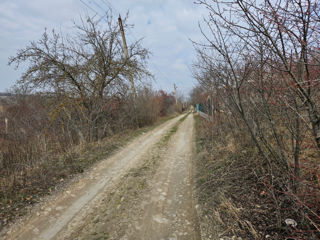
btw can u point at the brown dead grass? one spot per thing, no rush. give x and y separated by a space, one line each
232 194
32 179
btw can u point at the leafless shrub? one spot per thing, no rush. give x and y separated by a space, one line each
259 64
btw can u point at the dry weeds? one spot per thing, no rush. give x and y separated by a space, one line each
235 202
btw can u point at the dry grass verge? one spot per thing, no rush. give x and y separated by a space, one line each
234 202
20 190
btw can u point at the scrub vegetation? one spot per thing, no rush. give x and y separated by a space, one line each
258 75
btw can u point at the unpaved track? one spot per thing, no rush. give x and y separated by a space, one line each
169 212
155 202
66 210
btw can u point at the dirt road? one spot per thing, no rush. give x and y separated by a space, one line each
169 211
142 192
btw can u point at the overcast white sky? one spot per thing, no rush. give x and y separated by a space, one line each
165 25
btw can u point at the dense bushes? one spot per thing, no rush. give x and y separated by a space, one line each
262 82
44 146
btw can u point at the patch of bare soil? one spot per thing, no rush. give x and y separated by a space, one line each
69 209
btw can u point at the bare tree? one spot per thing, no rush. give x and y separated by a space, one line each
289 33
83 71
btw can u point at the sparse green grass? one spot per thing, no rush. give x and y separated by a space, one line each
185 116
164 141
